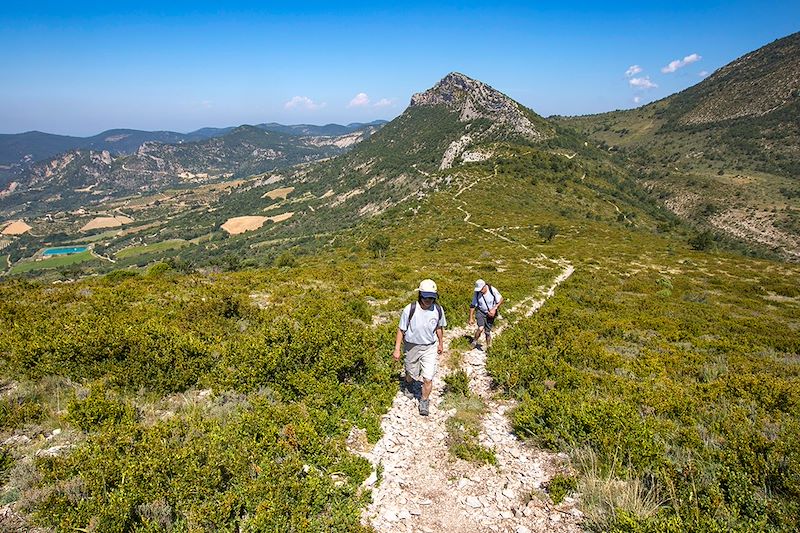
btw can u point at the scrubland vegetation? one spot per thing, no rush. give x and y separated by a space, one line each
680 379
205 400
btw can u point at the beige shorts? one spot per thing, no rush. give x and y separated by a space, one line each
421 360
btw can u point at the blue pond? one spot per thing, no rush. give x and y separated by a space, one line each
64 251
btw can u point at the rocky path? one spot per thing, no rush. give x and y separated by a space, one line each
424 488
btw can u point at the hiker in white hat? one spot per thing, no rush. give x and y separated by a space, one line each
486 300
421 334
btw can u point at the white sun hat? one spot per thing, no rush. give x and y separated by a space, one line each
479 285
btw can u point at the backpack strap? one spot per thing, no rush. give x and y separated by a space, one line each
494 300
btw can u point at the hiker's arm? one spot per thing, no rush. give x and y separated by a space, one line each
398 341
499 303
440 334
493 310
471 315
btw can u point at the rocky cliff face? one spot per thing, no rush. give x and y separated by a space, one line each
473 99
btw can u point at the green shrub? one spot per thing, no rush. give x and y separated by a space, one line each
99 409
702 241
117 276
457 383
463 441
16 411
159 269
359 309
379 245
548 232
692 404
561 486
286 259
6 462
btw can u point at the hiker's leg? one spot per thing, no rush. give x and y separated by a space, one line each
427 387
429 363
411 364
477 335
488 339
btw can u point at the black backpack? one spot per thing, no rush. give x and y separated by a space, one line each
414 308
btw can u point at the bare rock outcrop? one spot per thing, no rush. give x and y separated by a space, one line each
473 100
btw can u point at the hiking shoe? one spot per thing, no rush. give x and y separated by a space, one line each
423 407
407 389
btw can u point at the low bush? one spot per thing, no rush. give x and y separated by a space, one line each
457 383
697 407
561 486
99 409
16 411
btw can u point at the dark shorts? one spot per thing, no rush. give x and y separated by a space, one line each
484 321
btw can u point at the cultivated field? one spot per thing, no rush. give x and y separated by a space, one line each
106 222
17 227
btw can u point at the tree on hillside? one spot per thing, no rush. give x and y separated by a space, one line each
548 232
702 241
378 245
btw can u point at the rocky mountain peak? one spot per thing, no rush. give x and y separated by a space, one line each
473 99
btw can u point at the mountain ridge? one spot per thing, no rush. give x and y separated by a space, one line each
34 145
724 153
83 177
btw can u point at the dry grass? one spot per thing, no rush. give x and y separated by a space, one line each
281 217
603 495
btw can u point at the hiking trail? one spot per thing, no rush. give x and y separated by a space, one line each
423 487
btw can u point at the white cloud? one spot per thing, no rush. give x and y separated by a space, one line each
642 83
703 73
637 99
359 100
383 102
680 63
633 70
303 102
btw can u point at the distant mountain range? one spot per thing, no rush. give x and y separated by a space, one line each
146 162
33 146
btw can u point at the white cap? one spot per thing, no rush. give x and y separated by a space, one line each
479 285
427 289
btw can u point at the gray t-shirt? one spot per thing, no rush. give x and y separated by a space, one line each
422 329
484 302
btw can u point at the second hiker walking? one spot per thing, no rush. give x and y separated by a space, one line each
487 300
421 326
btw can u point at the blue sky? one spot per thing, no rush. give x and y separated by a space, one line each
79 68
